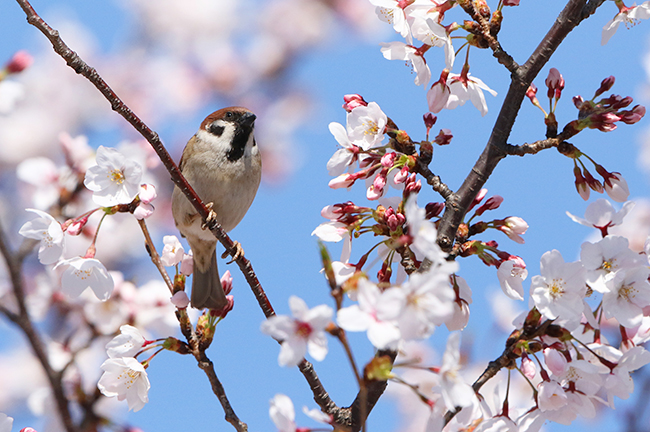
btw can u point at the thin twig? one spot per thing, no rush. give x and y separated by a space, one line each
155 258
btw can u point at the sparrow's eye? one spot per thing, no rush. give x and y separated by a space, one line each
229 115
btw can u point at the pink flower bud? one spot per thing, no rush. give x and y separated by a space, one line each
439 93
19 62
143 211
605 85
226 282
388 160
531 94
492 203
180 300
434 209
555 361
342 181
593 183
634 115
221 313
187 264
555 83
581 184
147 193
353 101
528 368
478 198
616 187
402 175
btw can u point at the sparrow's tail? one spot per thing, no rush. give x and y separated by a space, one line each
207 291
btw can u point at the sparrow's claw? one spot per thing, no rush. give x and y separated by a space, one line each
238 253
212 215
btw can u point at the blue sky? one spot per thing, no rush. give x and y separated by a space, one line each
538 188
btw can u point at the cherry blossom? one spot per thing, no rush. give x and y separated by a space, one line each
423 232
455 391
460 317
304 332
426 28
616 187
282 413
126 378
126 344
429 303
629 16
366 125
464 88
114 180
511 276
172 252
344 157
550 396
619 383
559 291
82 273
602 215
48 230
604 258
376 313
410 54
331 231
628 293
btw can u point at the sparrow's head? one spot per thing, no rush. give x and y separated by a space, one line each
232 127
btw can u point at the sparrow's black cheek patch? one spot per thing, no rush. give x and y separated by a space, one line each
238 144
215 130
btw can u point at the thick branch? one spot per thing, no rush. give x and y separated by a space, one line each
496 148
22 320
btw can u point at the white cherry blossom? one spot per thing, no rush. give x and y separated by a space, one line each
366 126
604 258
629 16
126 378
602 215
376 314
48 230
410 54
172 252
82 273
511 277
455 391
429 303
126 344
331 231
343 157
559 291
423 232
470 89
282 413
628 293
300 334
114 180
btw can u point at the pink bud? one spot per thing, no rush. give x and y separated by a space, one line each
616 187
434 209
143 211
19 62
581 184
388 160
528 368
555 83
439 93
353 101
479 197
555 361
633 116
180 300
221 313
402 175
147 193
187 264
605 85
511 2
226 282
342 181
492 203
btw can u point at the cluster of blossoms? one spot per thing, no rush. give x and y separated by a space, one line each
115 183
421 20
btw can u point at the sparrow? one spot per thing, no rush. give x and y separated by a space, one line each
223 165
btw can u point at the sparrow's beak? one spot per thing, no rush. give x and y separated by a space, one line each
247 119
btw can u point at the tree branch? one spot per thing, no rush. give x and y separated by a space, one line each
22 320
496 147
